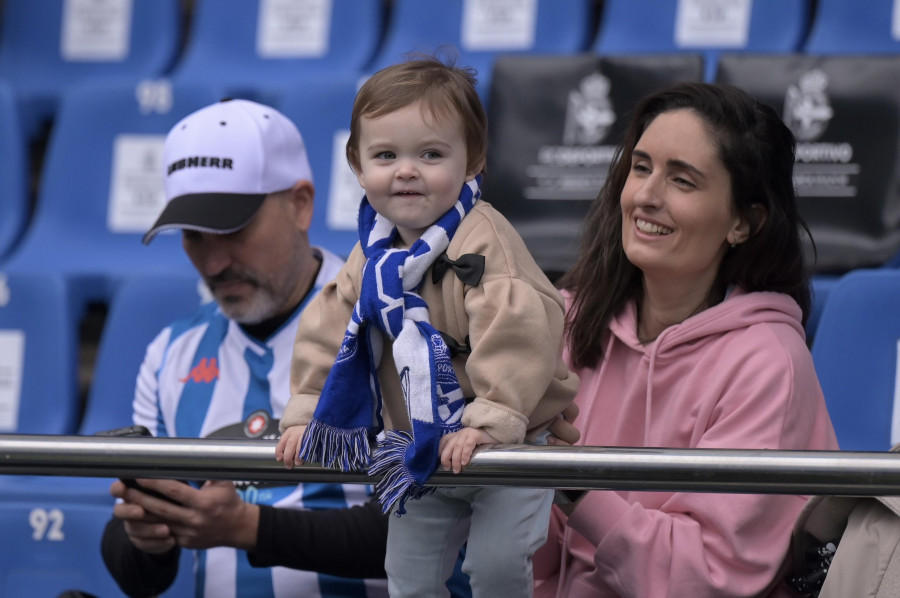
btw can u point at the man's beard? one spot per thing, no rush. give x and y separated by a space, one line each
260 305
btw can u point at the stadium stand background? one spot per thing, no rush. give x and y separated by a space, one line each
555 95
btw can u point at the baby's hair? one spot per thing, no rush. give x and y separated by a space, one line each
444 90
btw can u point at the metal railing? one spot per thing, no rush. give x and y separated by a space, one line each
609 468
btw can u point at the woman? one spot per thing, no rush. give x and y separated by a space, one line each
685 325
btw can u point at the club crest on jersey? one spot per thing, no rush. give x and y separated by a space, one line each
256 424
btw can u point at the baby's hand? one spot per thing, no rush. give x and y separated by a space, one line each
457 447
289 446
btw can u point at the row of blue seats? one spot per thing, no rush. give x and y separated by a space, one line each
101 185
244 47
232 64
52 525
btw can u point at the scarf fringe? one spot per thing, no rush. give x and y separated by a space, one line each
335 448
397 484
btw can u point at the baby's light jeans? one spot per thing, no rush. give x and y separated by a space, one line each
504 527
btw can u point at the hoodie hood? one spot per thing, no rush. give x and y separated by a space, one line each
684 343
739 310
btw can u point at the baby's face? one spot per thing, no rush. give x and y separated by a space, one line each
412 167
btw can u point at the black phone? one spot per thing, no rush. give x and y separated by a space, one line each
132 483
135 432
127 431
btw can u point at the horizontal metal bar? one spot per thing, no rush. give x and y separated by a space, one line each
607 468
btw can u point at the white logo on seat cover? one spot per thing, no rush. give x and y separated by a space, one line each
807 110
589 114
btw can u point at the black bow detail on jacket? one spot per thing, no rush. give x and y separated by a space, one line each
469 268
454 346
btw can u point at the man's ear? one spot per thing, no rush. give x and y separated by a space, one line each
302 197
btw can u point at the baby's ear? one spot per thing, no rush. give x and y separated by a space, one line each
360 178
474 171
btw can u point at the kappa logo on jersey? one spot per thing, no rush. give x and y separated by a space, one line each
205 371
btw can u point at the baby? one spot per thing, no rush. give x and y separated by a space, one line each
453 340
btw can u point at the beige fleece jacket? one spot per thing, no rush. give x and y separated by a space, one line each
513 319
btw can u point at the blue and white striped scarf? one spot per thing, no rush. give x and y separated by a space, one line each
348 415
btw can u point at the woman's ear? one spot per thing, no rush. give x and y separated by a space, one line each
746 227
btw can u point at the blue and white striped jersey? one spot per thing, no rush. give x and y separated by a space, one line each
204 376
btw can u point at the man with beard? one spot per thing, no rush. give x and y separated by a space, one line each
240 189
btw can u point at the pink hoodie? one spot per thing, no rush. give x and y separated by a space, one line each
738 375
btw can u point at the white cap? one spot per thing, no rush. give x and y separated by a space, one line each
221 161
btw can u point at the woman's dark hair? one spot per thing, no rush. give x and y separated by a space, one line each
757 150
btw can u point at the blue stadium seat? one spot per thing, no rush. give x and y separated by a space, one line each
851 27
47 46
252 53
65 553
323 118
51 529
52 543
649 26
821 285
556 27
140 308
856 352
50 532
38 355
893 262
102 187
14 200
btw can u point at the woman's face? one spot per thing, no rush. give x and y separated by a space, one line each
677 214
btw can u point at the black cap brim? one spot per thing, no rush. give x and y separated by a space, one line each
218 213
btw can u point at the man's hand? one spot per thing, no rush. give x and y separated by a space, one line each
457 447
289 446
562 430
146 531
212 516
